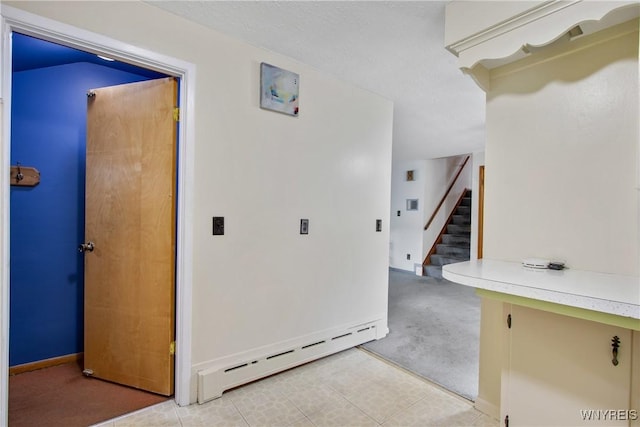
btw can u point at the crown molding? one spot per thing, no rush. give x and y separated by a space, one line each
534 30
507 26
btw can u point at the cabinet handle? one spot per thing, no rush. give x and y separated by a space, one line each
615 343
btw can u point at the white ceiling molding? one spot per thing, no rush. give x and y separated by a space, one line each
509 25
539 27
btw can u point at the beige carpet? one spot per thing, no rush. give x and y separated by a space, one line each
434 331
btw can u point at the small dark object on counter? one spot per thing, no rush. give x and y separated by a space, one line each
556 266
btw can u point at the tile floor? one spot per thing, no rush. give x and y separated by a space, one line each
351 388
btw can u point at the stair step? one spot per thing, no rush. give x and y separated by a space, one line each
461 219
434 271
456 251
446 259
463 210
456 242
459 229
453 239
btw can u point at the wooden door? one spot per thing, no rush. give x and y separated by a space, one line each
130 219
480 211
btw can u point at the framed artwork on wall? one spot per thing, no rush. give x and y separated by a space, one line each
279 89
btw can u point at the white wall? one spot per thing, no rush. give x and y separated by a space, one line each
263 283
562 157
406 229
561 168
431 180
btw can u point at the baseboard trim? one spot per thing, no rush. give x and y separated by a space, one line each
240 369
487 408
45 363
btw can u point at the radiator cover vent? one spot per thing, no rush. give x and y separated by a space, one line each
213 381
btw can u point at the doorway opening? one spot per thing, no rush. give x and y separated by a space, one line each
434 324
50 83
16 20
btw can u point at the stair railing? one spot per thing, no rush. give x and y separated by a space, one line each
435 212
434 247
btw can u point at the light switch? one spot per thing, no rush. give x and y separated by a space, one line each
304 226
378 225
218 225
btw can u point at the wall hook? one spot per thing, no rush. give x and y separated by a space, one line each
19 175
24 176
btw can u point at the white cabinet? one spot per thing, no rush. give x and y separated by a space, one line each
553 365
559 372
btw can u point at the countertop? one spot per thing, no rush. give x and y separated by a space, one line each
608 293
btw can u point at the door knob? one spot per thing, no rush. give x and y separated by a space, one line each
86 247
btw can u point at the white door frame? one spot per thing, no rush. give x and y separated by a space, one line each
17 20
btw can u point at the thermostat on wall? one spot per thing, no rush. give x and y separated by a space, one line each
535 263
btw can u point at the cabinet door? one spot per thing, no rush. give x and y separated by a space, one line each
561 372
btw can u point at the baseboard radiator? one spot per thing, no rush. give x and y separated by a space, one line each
212 382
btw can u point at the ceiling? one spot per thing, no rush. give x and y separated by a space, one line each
29 53
393 48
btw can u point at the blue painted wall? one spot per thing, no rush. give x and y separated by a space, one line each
48 128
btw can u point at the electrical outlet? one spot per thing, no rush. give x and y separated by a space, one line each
304 226
408 256
378 225
218 225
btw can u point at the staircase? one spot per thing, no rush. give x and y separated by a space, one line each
454 242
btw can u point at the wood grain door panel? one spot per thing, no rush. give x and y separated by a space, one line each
130 217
